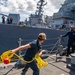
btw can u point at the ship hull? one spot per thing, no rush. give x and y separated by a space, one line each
10 34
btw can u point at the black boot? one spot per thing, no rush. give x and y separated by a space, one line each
23 72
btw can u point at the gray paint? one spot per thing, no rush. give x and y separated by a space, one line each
10 34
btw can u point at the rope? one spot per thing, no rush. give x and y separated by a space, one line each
8 54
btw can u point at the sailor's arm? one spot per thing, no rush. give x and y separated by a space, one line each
40 52
64 35
21 48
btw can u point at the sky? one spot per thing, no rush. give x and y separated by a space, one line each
27 7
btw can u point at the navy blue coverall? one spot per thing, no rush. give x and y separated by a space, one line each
71 40
29 55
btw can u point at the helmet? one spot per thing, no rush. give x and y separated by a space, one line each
42 36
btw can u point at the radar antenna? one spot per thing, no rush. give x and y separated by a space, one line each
40 6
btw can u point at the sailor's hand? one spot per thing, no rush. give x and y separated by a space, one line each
61 36
13 51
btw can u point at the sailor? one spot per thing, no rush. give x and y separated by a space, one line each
3 19
71 40
8 22
11 19
32 48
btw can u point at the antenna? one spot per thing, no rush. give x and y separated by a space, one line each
40 6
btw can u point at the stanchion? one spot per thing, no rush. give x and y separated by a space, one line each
19 63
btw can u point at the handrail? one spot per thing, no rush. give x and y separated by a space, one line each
58 42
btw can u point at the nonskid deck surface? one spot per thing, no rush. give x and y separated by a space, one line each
54 68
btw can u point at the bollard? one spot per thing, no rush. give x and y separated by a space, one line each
60 47
44 54
72 65
59 51
73 61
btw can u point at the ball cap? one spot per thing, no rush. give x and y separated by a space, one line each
42 36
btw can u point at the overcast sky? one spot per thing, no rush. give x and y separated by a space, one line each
26 7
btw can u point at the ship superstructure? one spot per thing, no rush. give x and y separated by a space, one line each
37 19
66 14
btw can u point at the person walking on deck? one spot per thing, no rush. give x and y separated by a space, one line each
32 48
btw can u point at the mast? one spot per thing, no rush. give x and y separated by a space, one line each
40 6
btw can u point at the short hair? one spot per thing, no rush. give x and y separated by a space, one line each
42 36
72 26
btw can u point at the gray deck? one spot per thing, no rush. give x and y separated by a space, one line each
53 68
